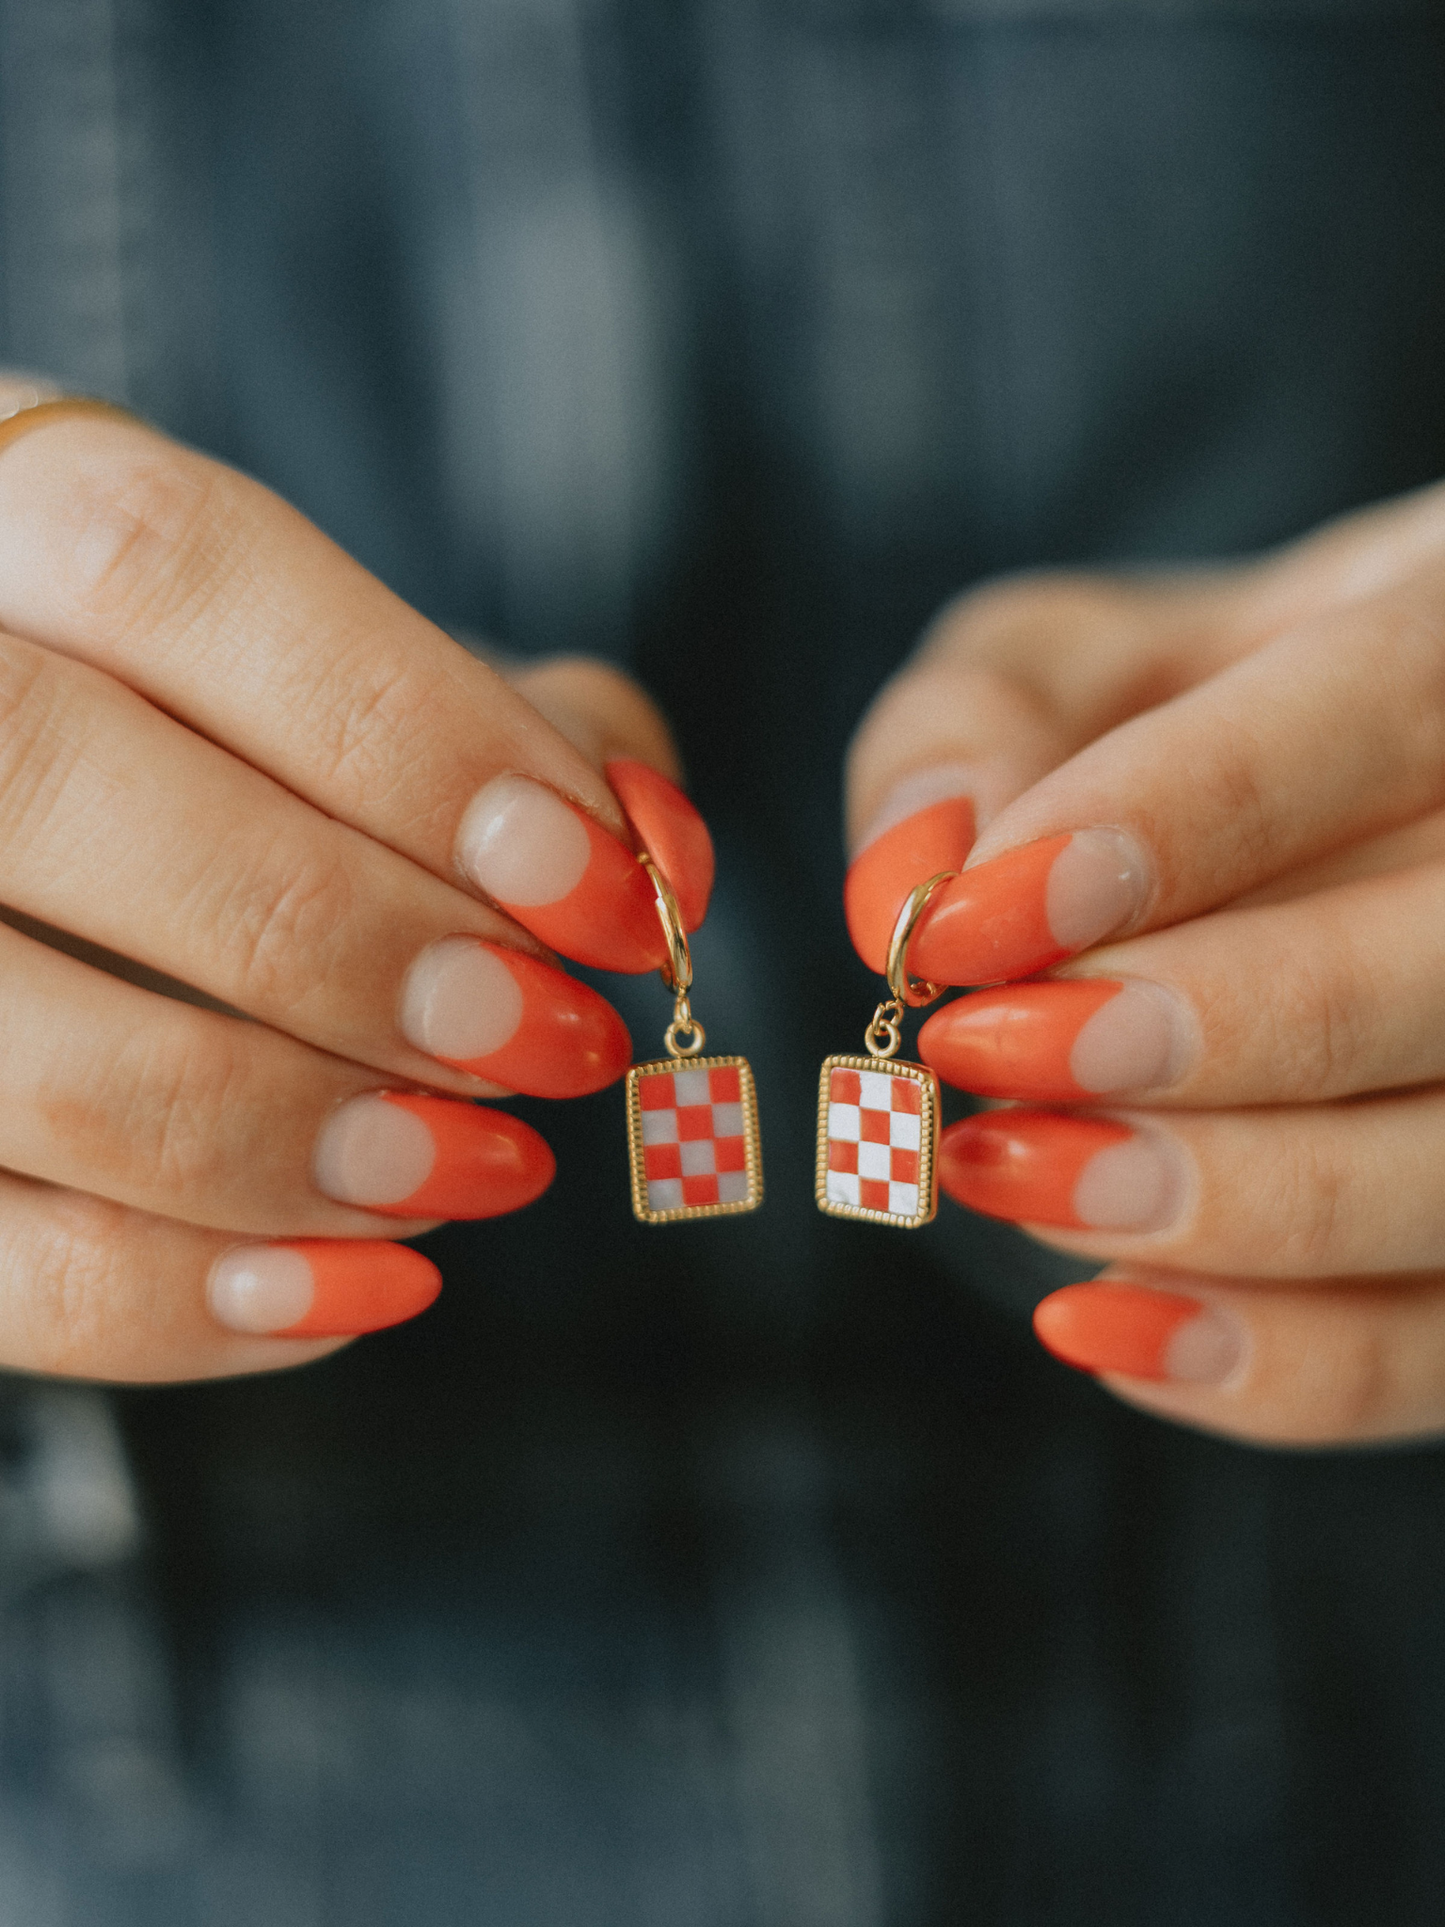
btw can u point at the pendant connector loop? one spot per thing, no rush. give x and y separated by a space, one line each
676 973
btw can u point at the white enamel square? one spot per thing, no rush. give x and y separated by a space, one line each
732 1187
664 1194
903 1200
906 1130
727 1120
659 1127
691 1087
874 1160
877 1090
844 1123
843 1187
699 1158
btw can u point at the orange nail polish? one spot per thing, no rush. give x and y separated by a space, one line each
670 830
991 923
513 1019
1115 1328
1023 1165
1016 1042
885 870
485 1163
320 1287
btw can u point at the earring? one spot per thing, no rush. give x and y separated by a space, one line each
692 1121
878 1120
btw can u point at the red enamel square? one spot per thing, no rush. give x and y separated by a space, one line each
694 1121
731 1154
725 1086
907 1096
845 1087
873 1194
704 1190
662 1161
904 1166
656 1093
842 1157
875 1126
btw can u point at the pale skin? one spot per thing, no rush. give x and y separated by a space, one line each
1271 737
231 758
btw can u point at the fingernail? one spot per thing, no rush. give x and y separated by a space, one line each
1145 1334
560 874
511 1018
896 857
1037 1167
669 829
1056 1043
320 1287
1031 907
429 1157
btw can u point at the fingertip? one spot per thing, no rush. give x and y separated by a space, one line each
670 830
896 860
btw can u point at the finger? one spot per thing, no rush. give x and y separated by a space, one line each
1322 997
206 1118
212 598
1324 1191
93 1290
618 730
1332 732
126 829
1348 1364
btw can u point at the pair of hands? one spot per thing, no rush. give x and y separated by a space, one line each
231 761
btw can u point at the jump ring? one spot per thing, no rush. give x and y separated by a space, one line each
913 991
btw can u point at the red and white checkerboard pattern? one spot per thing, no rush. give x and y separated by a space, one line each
875 1137
694 1146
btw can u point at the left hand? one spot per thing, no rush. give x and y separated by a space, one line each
1236 780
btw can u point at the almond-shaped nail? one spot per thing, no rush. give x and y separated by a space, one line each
1164 1336
511 1018
1060 1042
669 829
560 874
896 859
1039 1167
320 1287
1031 907
429 1157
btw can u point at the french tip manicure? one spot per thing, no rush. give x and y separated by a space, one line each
1141 1333
896 860
413 1156
319 1287
1052 1168
671 831
560 874
511 1018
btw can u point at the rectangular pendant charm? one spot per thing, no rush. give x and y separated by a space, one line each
692 1135
877 1141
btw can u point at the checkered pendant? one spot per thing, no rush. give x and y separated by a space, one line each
692 1121
692 1133
877 1141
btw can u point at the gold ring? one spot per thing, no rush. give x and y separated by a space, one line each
913 991
677 971
35 414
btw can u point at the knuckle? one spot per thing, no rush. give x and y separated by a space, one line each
280 925
147 1123
40 747
149 536
68 1285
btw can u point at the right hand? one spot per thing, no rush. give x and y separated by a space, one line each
232 763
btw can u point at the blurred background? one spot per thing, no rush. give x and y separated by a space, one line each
760 1573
